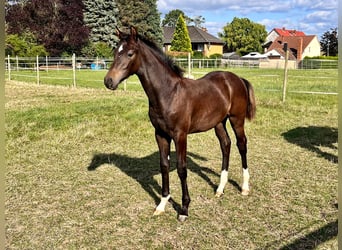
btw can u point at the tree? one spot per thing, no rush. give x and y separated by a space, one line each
198 21
98 49
171 18
24 46
181 40
57 24
101 17
144 16
16 18
244 36
329 42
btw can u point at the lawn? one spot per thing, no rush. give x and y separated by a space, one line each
83 170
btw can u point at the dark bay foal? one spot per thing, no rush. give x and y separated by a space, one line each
179 106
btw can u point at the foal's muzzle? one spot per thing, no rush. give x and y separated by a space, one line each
110 84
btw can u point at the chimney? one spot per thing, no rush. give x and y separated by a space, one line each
204 29
300 49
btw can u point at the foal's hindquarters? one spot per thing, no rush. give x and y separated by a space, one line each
237 121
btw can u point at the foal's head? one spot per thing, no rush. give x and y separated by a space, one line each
126 60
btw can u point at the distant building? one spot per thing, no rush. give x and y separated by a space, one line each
299 44
201 41
299 47
277 32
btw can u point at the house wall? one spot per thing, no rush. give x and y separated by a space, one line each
208 50
277 64
212 49
271 36
313 48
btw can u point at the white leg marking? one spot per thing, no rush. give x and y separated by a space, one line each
245 185
168 157
223 182
161 207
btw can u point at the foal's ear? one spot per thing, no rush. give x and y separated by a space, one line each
118 32
134 34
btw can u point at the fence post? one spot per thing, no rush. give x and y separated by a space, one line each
37 64
47 64
74 69
9 67
189 64
17 61
285 71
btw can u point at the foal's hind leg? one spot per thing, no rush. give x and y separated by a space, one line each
238 127
225 143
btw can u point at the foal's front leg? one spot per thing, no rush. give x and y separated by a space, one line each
163 142
180 143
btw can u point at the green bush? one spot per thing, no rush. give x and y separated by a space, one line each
98 49
24 45
197 55
322 57
215 56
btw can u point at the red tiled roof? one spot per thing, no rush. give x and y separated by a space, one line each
295 44
285 32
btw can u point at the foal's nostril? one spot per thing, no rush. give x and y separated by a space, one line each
108 81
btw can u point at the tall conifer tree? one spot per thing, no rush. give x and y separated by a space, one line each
144 16
181 40
101 16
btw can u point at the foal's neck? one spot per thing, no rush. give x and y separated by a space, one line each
157 78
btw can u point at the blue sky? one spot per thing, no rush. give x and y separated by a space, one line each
313 17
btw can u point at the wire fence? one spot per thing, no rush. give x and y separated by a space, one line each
89 72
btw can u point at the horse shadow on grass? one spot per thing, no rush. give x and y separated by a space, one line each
144 169
309 241
314 138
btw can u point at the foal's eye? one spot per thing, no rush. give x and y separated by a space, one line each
130 53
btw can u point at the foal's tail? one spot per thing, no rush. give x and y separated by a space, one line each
251 105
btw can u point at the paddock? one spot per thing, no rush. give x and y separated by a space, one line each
76 178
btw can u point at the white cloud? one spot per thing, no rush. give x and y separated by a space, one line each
316 4
215 27
310 16
248 6
318 16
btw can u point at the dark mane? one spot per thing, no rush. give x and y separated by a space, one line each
161 55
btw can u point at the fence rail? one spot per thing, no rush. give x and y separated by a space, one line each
56 63
64 71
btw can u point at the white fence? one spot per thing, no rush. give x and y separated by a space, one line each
25 66
44 69
55 63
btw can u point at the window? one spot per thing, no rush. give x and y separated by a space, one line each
198 47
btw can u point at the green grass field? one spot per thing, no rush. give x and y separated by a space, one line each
56 134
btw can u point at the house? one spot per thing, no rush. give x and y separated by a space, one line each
273 55
200 40
299 46
277 32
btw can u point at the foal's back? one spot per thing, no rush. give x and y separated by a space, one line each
213 98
